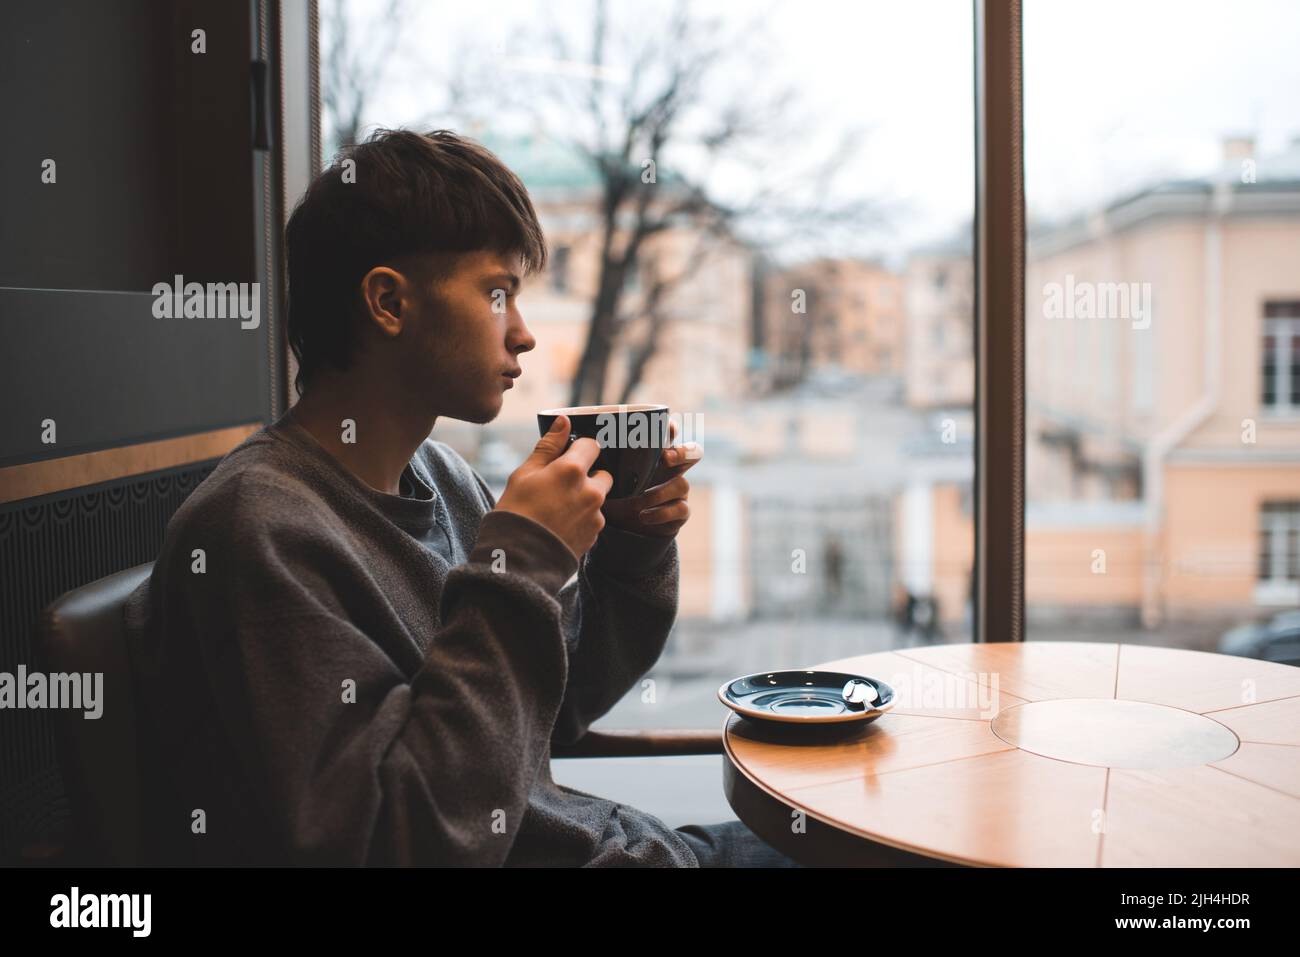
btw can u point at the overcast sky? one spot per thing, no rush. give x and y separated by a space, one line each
1118 93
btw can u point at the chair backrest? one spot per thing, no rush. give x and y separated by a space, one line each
85 631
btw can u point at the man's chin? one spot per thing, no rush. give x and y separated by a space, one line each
481 415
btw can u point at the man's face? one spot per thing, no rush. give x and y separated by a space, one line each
467 336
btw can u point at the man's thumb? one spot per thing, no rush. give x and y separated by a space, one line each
550 445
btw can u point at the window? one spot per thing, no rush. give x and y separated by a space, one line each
1142 374
1279 542
1106 362
741 257
1082 347
1162 323
559 269
1280 358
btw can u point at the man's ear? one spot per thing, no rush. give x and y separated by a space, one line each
382 292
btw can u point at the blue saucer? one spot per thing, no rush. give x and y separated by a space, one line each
803 697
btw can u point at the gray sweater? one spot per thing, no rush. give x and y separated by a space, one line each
342 676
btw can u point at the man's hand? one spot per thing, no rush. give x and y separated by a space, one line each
553 489
661 510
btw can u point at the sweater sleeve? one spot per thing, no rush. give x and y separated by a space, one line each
617 617
352 762
617 614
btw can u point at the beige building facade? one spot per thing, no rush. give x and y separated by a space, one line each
1163 369
848 314
939 285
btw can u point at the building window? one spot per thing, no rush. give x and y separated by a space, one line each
1280 357
1143 372
559 269
1279 542
1106 362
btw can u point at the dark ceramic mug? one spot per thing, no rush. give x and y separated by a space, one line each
632 439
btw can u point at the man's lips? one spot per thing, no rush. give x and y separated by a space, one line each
510 376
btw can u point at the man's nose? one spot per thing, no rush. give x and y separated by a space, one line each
520 338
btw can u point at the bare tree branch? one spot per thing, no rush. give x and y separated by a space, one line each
354 66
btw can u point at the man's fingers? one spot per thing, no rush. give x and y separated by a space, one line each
678 510
552 444
677 460
604 480
584 451
672 489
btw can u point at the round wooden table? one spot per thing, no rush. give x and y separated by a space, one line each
1036 754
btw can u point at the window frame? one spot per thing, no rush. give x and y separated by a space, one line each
1279 521
998 233
1285 333
999 260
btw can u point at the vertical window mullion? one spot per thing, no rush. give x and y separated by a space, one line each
999 323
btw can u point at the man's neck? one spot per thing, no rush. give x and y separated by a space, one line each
378 444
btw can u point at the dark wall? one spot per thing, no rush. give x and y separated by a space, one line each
155 177
151 143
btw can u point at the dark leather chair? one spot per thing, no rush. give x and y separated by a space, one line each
84 631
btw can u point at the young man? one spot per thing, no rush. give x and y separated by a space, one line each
348 651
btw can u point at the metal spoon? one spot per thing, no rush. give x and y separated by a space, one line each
858 693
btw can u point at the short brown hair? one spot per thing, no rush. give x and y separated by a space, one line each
407 193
